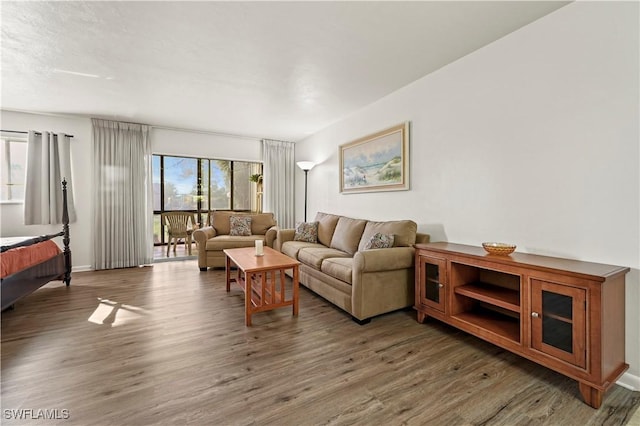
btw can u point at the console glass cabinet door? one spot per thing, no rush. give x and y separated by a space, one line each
558 321
432 282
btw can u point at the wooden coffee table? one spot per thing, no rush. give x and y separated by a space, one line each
262 279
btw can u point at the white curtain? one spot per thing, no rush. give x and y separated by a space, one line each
123 195
279 172
48 162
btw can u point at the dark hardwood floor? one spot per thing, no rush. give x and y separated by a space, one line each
167 345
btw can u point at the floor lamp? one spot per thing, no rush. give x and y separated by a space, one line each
305 166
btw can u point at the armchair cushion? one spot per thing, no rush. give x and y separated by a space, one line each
228 241
262 222
220 222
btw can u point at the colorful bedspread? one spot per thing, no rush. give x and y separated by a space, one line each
20 258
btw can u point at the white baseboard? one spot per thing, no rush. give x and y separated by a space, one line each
81 268
629 381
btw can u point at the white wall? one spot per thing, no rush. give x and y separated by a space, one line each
162 141
206 145
531 140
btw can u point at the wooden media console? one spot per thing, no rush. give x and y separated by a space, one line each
564 314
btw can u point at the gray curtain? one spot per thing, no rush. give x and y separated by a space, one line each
279 171
48 162
123 219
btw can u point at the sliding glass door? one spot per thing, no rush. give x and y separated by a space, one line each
199 185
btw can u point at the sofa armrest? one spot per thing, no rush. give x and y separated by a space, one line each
282 236
422 238
383 280
201 235
270 236
388 259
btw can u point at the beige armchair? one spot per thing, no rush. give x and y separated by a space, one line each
216 236
179 225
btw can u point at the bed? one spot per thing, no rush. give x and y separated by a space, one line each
31 262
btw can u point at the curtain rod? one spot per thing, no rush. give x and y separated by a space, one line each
26 133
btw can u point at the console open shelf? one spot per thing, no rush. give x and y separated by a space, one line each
498 296
492 321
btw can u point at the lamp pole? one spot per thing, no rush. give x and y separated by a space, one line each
305 166
305 194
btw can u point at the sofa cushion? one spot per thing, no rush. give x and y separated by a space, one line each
261 222
240 225
313 256
326 226
220 222
347 235
338 267
306 231
222 242
403 231
379 241
291 248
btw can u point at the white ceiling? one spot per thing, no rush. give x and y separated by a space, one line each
279 70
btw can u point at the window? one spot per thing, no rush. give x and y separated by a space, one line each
180 184
199 185
13 165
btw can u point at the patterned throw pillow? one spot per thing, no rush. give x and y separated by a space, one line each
378 241
240 225
306 231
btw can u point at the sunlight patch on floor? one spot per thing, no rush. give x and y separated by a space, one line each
114 314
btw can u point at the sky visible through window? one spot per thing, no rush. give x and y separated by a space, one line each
180 183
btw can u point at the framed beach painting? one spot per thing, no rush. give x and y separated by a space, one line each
378 162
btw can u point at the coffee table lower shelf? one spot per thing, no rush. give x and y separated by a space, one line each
262 279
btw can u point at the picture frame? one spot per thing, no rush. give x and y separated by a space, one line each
377 162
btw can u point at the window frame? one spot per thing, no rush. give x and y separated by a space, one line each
6 169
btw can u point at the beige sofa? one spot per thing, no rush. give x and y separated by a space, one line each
365 283
213 239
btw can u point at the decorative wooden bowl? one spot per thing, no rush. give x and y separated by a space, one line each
502 249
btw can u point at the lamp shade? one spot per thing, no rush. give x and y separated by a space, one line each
305 165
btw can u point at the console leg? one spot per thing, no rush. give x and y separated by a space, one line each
591 396
421 316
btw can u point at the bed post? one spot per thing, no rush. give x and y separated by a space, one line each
66 239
